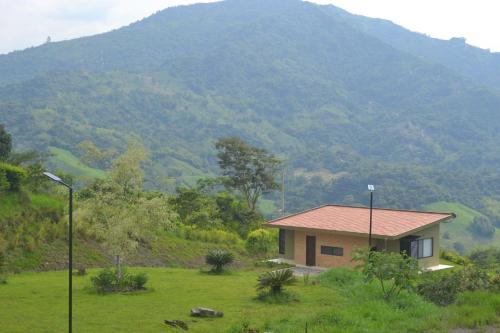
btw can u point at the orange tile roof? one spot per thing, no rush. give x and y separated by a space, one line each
387 223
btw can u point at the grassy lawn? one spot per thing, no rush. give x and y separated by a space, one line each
341 302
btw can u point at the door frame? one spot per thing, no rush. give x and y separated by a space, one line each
310 250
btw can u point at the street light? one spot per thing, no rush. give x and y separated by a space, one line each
371 188
70 231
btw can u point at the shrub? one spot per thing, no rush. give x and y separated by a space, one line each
495 283
208 235
482 227
276 280
454 257
393 271
486 258
106 281
218 259
440 288
473 279
14 175
261 241
4 183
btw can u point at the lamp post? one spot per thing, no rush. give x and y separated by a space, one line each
70 245
371 188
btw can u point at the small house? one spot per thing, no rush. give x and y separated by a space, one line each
326 236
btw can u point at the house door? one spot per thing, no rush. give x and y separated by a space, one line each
310 250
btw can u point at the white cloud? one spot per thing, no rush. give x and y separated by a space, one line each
25 23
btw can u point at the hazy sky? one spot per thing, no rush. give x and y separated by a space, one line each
25 23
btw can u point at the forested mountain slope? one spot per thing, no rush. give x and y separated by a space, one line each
343 106
478 64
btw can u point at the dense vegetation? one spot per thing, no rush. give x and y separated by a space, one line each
330 97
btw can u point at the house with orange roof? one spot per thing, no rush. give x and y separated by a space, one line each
326 236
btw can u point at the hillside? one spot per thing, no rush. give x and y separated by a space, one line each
479 65
344 106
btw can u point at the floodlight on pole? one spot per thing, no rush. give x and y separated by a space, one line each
58 180
371 188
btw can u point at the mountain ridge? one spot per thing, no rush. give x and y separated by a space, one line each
286 75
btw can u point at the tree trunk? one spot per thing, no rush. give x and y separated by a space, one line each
118 268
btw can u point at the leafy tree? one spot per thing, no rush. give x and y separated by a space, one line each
119 214
482 227
93 155
5 143
248 169
261 241
393 271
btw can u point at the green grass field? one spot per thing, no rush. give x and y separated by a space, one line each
457 228
340 302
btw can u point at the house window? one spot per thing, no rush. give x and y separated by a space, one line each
332 251
422 248
282 241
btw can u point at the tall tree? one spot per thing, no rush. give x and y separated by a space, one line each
5 143
119 213
250 170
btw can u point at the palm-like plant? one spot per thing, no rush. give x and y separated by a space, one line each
218 259
275 280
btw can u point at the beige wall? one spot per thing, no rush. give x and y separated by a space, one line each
295 246
348 243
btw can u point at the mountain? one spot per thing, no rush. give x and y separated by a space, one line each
341 102
479 65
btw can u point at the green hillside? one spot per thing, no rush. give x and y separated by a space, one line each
70 163
457 229
326 95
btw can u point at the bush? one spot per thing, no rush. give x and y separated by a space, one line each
3 279
218 259
440 288
275 280
261 241
216 236
393 271
486 258
495 283
107 281
454 257
13 174
482 227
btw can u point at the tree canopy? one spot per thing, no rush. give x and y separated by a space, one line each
248 169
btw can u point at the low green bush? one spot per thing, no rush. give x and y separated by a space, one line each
454 257
440 288
3 279
275 281
218 259
216 236
339 277
261 242
14 175
443 287
108 281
